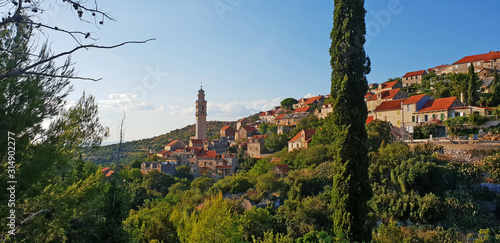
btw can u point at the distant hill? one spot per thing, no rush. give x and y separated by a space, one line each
138 149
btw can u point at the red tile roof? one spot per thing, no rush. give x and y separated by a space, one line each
389 105
438 67
280 116
414 99
388 94
388 84
410 74
172 143
275 160
249 128
263 113
163 152
486 57
368 95
312 100
257 138
197 141
225 128
208 154
242 119
369 119
438 104
302 109
308 135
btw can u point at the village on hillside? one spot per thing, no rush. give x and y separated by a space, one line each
387 102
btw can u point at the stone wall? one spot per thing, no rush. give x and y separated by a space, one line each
465 155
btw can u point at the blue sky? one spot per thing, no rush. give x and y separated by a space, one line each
250 55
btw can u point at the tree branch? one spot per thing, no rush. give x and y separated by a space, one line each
15 73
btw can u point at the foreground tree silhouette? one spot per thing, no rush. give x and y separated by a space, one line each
344 129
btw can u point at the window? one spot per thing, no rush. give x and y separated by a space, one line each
426 117
456 66
408 108
442 116
433 116
399 123
418 119
398 112
468 64
478 63
412 118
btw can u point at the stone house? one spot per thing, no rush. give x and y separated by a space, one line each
412 105
290 119
487 60
174 145
385 95
325 110
245 132
313 101
389 111
306 109
440 70
241 123
255 146
199 143
436 109
412 78
301 140
280 170
269 116
162 167
227 132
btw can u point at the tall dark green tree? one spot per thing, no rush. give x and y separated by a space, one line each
345 129
473 83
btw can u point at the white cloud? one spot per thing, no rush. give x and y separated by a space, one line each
128 102
308 95
229 111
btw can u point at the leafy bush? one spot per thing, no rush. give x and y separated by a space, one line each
491 165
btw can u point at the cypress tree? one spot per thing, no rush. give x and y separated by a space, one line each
472 86
345 127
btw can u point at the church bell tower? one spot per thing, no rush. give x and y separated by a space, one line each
201 115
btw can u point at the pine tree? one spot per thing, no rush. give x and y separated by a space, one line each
345 127
472 86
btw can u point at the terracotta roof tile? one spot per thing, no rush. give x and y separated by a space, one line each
388 94
389 105
172 143
369 119
226 127
388 84
308 135
438 104
312 99
410 74
368 95
281 116
414 99
302 109
249 128
486 57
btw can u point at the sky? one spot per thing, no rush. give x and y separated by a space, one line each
250 55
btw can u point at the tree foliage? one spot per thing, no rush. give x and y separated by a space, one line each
288 103
345 127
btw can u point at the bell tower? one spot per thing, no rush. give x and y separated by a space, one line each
201 115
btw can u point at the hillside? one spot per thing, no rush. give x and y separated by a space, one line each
138 149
